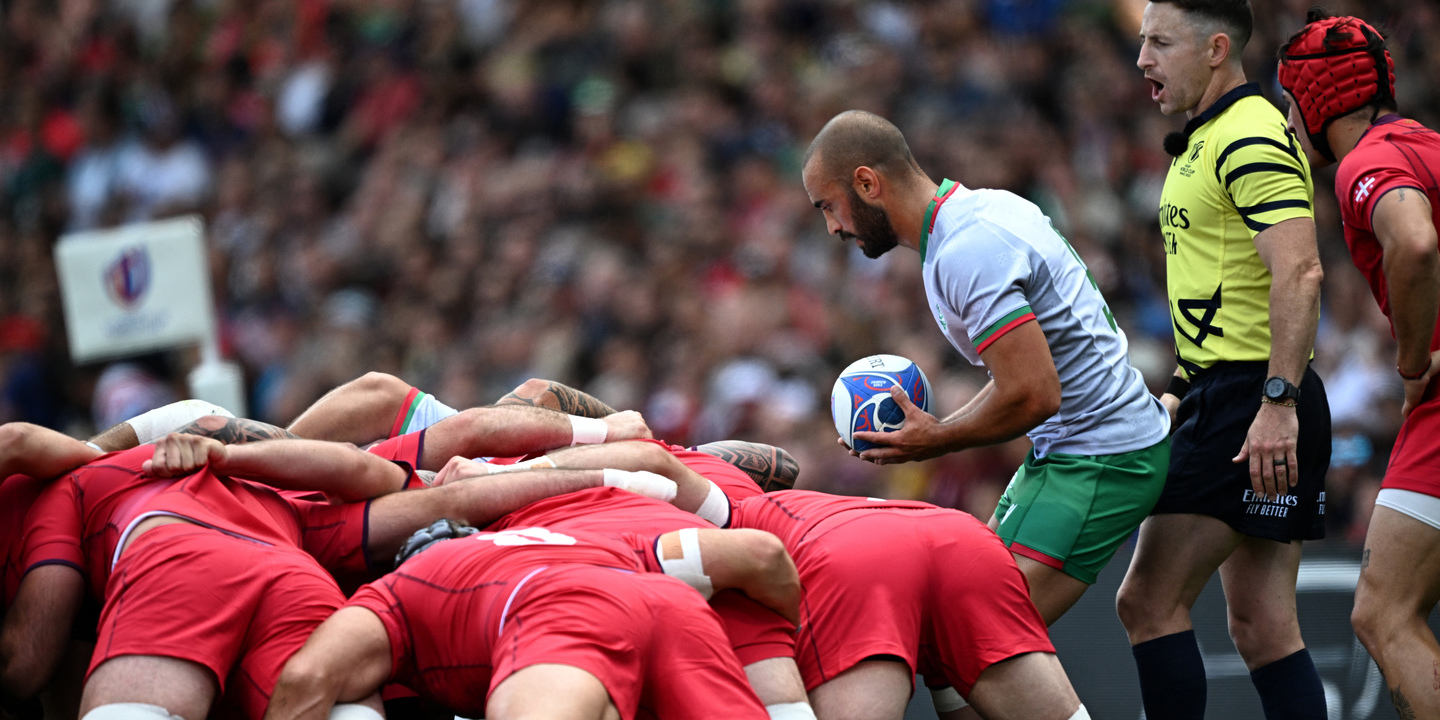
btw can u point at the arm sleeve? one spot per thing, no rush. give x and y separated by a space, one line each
985 279
1266 179
53 529
1358 191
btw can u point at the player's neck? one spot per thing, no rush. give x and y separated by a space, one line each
1225 79
909 223
1344 134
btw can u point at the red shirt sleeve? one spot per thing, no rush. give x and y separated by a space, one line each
1359 185
53 529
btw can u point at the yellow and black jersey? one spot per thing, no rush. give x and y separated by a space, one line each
1242 173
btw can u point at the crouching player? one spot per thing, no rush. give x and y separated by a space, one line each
522 623
896 587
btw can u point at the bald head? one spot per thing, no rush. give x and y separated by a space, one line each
857 138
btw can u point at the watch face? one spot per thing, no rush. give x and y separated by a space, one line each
1274 388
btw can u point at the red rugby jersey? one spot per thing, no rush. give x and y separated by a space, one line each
79 520
1394 153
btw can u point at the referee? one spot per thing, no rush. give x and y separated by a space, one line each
1252 438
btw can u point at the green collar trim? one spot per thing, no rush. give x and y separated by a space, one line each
943 193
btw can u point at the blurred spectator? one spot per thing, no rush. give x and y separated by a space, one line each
468 193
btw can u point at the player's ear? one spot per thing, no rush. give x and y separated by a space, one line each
866 182
1219 49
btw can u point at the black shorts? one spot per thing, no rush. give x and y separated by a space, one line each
1211 427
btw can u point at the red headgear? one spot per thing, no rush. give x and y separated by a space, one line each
1330 69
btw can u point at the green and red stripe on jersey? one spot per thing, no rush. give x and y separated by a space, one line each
942 193
1000 327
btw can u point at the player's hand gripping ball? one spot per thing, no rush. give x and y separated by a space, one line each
861 402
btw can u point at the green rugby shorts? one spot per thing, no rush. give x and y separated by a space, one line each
1071 512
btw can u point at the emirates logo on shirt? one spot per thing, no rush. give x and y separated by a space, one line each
1363 189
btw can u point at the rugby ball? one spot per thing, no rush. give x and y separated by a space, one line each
861 402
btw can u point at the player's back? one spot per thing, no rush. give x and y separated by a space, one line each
791 515
83 518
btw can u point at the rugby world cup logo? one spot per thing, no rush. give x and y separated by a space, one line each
127 277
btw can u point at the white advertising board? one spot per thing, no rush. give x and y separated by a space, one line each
135 289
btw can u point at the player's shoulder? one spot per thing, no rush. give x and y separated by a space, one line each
1394 145
985 217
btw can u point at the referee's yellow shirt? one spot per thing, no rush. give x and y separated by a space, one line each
1242 173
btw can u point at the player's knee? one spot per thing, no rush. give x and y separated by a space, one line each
130 711
1375 622
1135 610
382 386
1257 632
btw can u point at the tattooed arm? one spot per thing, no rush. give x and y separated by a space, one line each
771 467
553 395
236 431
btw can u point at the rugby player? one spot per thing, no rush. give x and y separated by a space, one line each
251 542
1339 81
895 587
536 623
1013 297
1252 439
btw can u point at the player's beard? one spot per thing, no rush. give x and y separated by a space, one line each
872 227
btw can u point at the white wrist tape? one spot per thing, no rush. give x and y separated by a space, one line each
716 507
539 463
689 567
1081 714
947 699
354 711
162 421
641 482
587 431
790 711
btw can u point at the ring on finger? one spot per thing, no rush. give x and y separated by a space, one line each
1279 463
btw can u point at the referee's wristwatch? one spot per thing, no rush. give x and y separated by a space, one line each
1279 391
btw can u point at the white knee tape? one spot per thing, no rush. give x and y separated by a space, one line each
947 699
130 711
164 420
354 711
587 431
716 507
1081 714
790 711
689 567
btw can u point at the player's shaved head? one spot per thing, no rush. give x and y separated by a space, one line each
857 138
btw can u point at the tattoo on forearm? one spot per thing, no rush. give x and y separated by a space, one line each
1402 705
1365 559
556 396
236 431
771 467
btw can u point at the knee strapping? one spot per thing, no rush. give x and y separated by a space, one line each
354 711
689 567
947 699
130 711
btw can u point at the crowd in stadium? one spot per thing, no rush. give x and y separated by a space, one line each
467 194
458 248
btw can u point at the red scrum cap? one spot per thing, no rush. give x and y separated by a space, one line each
1330 68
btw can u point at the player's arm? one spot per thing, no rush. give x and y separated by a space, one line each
39 452
1288 250
1024 392
235 431
751 561
37 629
338 470
346 659
555 396
1405 228
155 424
771 467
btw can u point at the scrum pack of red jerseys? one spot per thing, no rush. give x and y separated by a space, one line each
756 633
465 614
1395 153
17 494
932 586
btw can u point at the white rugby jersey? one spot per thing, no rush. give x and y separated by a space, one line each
992 261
